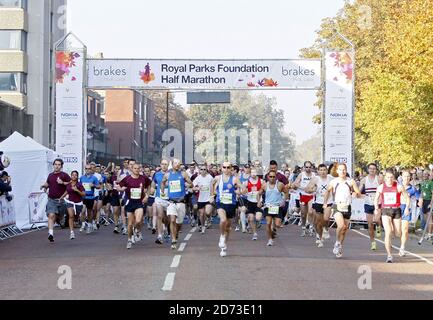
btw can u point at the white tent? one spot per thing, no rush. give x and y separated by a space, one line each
30 166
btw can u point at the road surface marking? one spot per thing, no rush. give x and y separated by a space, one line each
398 249
188 237
182 247
176 261
169 282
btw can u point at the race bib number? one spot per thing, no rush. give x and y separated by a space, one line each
227 198
389 198
274 210
175 186
135 193
205 189
252 196
342 207
165 197
87 187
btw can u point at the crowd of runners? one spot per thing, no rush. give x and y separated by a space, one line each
165 197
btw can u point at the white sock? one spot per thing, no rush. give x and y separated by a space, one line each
243 220
51 232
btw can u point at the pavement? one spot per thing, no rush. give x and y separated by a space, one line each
293 269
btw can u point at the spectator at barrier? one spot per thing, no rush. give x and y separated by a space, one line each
5 184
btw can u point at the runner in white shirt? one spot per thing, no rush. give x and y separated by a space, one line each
306 198
368 187
203 185
341 188
319 185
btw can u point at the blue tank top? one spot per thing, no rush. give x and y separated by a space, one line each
243 180
176 186
273 196
228 190
158 179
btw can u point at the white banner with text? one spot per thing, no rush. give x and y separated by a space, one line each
204 74
69 109
338 120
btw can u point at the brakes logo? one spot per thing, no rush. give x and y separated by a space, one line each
69 116
71 160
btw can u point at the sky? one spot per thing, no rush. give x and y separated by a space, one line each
201 29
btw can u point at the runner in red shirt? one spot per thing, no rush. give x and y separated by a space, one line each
390 194
74 200
135 187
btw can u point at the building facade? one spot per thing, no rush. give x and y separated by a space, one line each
28 32
129 118
97 133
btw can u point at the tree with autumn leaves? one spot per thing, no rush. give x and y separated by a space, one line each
394 77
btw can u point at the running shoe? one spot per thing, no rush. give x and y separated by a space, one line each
223 253
89 228
124 231
153 231
133 239
402 252
336 249
203 230
304 232
158 240
389 259
129 245
326 234
107 224
83 227
116 230
173 245
139 237
237 229
95 226
320 244
373 246
255 237
72 237
270 243
51 238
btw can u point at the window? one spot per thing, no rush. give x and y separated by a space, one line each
13 40
13 4
13 82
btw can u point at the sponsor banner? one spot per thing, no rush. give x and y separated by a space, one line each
37 206
338 107
205 74
7 212
69 108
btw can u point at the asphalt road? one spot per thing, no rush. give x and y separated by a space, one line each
294 268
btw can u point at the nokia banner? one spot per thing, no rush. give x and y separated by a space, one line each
338 124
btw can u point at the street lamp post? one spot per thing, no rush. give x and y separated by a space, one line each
120 142
167 110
